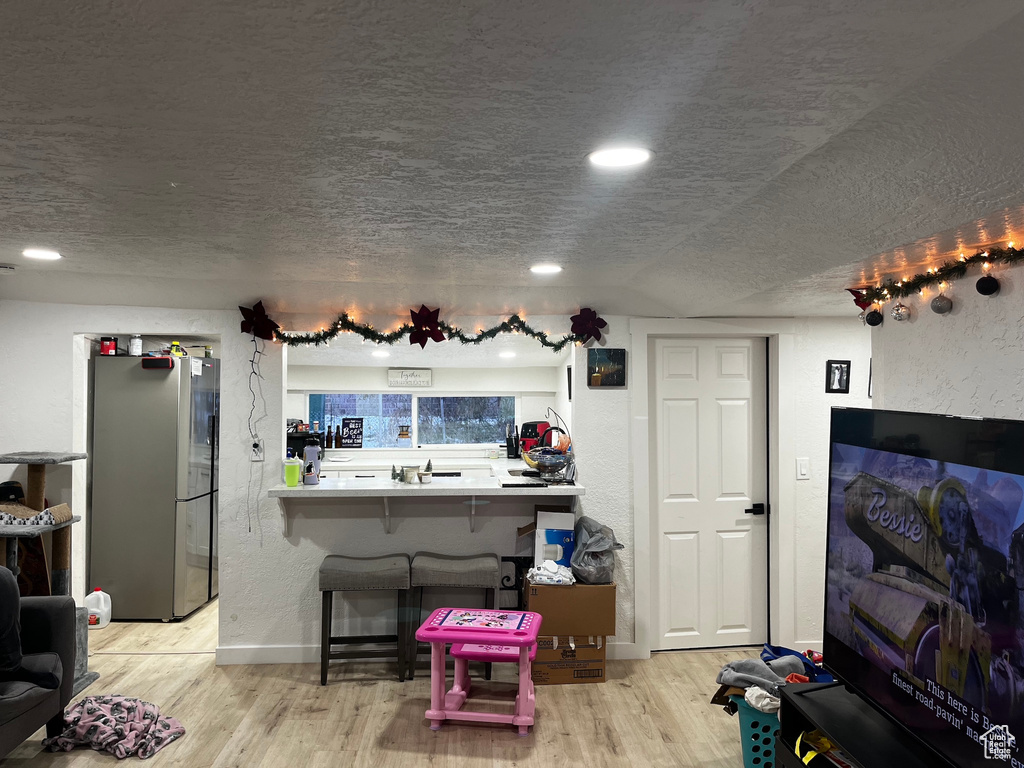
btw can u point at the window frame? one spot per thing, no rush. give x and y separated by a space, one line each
414 427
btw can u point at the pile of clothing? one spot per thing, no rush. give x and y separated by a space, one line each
758 681
118 725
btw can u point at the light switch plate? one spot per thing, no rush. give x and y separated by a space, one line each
803 469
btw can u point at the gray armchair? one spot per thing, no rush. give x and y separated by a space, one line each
47 628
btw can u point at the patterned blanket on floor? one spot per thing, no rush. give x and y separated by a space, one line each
118 725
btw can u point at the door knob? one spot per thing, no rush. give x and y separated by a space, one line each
757 509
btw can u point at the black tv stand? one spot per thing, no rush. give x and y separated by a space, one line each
865 734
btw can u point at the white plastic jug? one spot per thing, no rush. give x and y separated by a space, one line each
98 604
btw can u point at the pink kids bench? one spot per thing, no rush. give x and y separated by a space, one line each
479 635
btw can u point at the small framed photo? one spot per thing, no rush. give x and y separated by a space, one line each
837 377
606 367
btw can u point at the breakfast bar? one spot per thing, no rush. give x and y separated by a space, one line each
475 486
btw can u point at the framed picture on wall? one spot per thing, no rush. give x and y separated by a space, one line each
837 377
606 368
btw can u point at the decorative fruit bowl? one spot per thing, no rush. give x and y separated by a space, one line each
549 462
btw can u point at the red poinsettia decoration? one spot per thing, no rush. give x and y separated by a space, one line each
587 324
256 321
858 298
426 326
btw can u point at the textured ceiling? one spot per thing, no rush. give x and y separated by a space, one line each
376 155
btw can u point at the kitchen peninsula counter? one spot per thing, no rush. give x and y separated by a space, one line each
473 490
439 486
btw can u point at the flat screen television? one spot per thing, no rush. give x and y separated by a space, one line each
924 593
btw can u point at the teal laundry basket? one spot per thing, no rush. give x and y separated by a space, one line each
757 735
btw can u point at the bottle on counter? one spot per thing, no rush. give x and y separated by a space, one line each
311 462
292 470
177 350
207 351
135 345
330 437
337 436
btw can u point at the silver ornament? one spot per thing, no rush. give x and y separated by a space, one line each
942 304
900 312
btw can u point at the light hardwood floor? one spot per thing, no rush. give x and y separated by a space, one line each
648 713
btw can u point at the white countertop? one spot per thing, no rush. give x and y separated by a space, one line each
440 486
370 487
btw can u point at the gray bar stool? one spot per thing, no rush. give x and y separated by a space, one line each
465 572
339 573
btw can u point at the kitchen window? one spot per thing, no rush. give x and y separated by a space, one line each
382 415
434 420
463 420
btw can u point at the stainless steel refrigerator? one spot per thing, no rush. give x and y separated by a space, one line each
153 485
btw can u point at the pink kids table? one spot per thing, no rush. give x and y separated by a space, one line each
479 635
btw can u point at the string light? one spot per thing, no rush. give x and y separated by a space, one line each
514 325
943 275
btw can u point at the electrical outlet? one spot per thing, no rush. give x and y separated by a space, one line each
257 450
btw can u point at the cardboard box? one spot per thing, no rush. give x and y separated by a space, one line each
562 664
554 537
576 609
554 534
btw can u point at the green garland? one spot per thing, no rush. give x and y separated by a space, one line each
345 323
949 271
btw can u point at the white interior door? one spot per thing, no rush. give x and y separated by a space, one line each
709 465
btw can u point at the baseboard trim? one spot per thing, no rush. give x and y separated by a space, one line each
310 654
624 651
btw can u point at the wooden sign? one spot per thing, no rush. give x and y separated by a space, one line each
351 433
409 377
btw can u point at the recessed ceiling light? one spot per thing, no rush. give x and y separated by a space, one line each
37 253
619 157
506 354
545 269
381 353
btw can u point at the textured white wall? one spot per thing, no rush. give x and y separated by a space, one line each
816 341
268 595
799 511
350 378
601 436
42 407
968 362
562 405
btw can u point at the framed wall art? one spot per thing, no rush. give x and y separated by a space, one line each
606 368
837 377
